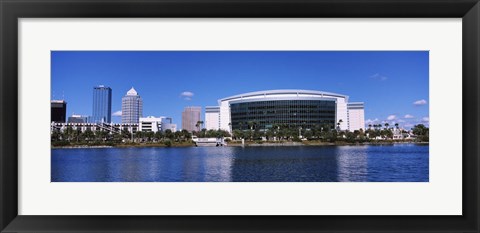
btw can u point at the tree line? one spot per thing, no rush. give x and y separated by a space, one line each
278 132
102 137
327 133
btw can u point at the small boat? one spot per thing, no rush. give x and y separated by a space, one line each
208 141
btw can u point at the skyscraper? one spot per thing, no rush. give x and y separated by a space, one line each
132 107
58 111
102 104
190 117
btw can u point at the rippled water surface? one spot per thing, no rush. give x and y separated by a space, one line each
386 163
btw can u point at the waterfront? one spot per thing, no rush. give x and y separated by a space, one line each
364 163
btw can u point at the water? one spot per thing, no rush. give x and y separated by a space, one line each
367 163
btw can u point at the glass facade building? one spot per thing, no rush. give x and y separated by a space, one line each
292 108
78 119
293 113
102 104
58 111
132 107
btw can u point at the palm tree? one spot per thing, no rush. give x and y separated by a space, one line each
199 123
396 125
369 126
338 124
386 125
250 125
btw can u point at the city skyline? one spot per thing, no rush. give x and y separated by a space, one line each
393 85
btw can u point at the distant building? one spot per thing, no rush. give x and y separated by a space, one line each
102 104
212 117
58 111
154 124
168 124
190 117
132 107
150 124
78 119
356 116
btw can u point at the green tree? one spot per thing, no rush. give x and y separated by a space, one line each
199 125
169 134
186 135
338 124
126 134
308 134
159 135
89 135
117 137
139 136
55 136
238 134
149 136
178 135
422 132
68 132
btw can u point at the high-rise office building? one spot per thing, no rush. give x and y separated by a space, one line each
58 111
102 104
356 116
212 117
190 118
132 107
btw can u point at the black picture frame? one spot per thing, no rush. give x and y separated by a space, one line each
11 11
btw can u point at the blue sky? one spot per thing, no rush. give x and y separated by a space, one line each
393 84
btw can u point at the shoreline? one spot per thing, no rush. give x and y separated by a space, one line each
249 144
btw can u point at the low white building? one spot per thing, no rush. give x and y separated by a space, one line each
167 123
155 124
150 124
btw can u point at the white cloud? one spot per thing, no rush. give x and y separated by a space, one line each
426 119
378 76
370 121
187 95
420 102
408 116
391 117
117 113
400 121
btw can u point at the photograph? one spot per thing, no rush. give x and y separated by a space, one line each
240 116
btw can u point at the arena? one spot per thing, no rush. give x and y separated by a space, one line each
292 108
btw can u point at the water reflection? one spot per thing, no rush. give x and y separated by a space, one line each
352 163
242 164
